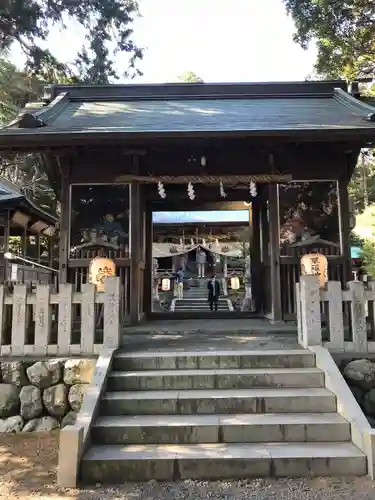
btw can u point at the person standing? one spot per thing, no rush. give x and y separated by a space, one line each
213 286
180 283
201 261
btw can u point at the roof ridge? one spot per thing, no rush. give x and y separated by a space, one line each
167 91
354 104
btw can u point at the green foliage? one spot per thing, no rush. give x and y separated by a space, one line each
344 31
365 226
16 89
24 170
189 77
107 24
368 255
362 184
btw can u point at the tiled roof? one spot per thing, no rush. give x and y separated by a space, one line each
201 109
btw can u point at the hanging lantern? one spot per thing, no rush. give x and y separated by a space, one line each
315 264
100 268
165 284
235 283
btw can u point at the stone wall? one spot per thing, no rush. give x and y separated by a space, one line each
360 376
43 395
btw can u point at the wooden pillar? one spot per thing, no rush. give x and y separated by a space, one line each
343 198
274 252
265 285
148 277
135 251
256 277
64 226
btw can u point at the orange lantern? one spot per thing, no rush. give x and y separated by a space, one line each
166 284
100 269
315 264
235 283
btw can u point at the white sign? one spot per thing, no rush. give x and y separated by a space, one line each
14 272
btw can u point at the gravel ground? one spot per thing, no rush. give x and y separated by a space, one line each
28 471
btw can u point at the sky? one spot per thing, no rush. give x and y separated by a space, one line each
221 41
201 216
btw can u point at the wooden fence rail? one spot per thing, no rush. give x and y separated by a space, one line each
342 320
64 323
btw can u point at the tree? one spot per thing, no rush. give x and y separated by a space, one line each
368 257
344 31
16 90
189 77
362 184
24 170
107 24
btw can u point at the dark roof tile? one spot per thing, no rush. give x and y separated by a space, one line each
249 109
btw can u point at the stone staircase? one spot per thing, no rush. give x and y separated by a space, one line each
215 415
190 304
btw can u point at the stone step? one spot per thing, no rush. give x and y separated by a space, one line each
201 308
198 305
193 429
172 360
117 463
198 300
208 402
215 379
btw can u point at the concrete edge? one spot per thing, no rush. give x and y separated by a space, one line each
74 439
362 434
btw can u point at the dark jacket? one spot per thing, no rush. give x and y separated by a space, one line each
213 294
179 276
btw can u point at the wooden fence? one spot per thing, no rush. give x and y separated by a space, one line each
342 320
64 323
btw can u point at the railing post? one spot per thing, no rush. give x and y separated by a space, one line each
310 311
335 315
358 315
42 319
88 318
111 334
64 327
19 320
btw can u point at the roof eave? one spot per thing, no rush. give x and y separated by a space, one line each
17 138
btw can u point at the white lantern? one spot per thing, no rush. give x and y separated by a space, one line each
100 268
235 283
315 264
165 284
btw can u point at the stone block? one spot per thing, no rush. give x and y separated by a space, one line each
230 468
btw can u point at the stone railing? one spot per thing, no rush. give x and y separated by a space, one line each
42 323
340 319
